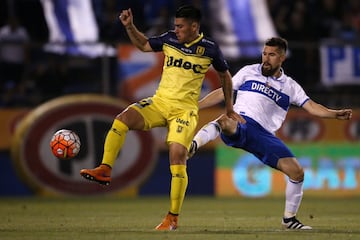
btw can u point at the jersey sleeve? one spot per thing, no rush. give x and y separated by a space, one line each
299 97
157 42
219 62
238 78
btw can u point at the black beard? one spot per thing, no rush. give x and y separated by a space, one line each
268 73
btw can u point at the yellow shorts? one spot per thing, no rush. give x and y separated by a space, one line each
181 123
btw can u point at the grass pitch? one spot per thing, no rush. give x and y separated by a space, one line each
202 218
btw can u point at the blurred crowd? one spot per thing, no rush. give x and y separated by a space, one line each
312 20
29 76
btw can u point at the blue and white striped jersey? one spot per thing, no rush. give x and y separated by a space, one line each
266 99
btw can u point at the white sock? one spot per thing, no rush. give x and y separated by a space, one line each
207 133
293 195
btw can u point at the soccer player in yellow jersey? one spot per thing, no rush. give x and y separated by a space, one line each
188 56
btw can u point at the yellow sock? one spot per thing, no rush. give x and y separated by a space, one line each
179 182
113 142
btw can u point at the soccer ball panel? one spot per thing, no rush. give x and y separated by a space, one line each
65 144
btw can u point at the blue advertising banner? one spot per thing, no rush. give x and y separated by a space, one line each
340 64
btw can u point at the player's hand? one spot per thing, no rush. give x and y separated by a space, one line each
344 114
233 115
126 17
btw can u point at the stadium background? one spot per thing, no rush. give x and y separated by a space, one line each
84 93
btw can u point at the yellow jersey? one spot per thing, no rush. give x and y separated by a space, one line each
184 67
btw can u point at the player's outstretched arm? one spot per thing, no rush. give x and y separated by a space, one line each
136 37
217 96
211 98
319 110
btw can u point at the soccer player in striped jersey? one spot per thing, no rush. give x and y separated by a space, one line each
264 94
188 56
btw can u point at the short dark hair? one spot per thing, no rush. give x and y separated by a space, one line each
279 42
189 12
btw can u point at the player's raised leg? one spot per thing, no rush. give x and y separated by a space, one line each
212 130
115 138
206 134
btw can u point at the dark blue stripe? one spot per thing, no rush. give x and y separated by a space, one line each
61 13
280 98
244 26
304 102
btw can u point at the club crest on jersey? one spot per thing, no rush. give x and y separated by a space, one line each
200 50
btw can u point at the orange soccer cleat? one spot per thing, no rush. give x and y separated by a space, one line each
100 174
169 223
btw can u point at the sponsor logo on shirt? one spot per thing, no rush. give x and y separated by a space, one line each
280 98
183 64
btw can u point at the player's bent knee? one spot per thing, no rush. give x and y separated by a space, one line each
297 174
131 118
292 168
178 154
227 125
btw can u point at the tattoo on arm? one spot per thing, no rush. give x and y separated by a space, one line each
135 36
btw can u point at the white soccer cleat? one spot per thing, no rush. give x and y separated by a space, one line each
293 223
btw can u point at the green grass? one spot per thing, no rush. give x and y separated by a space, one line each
201 218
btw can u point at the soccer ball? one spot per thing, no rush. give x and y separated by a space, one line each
65 144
